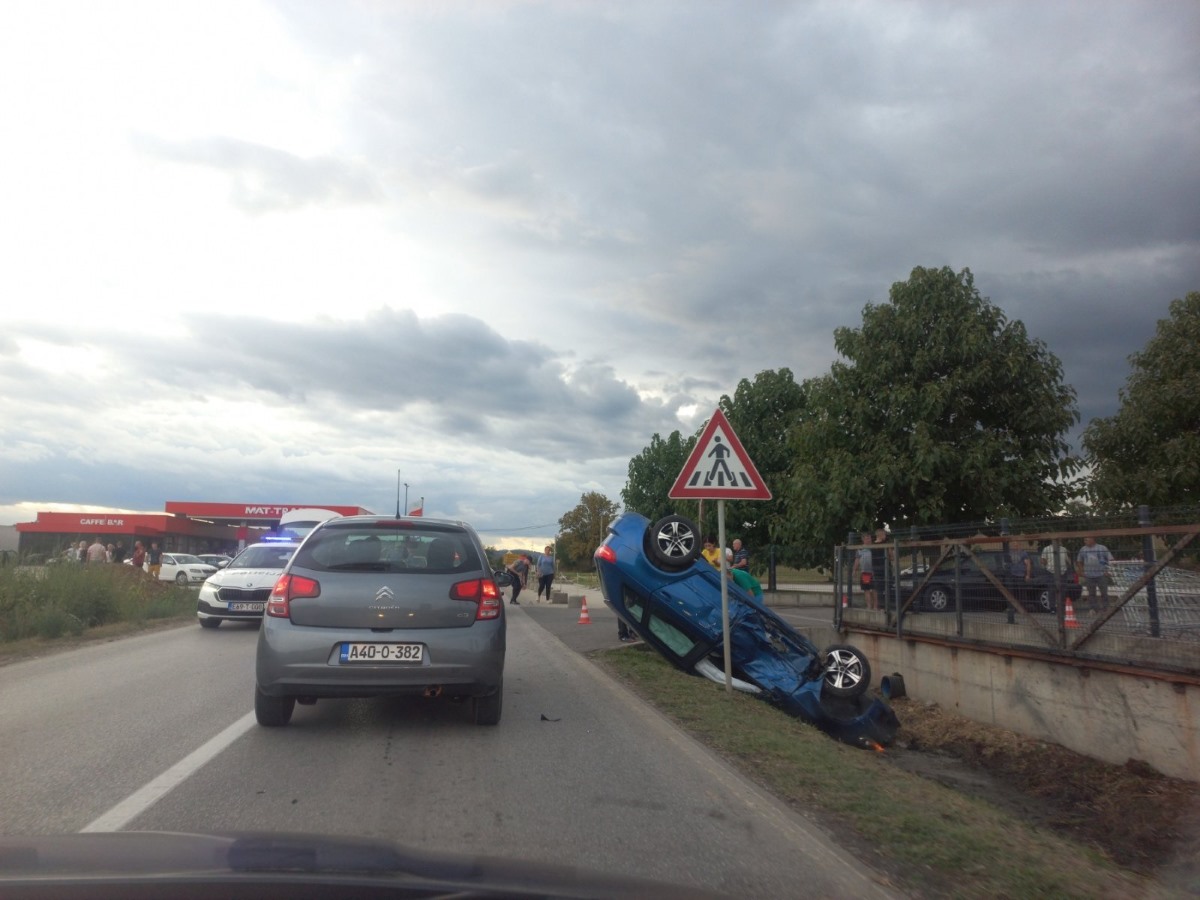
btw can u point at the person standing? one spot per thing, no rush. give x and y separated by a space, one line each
154 560
1092 563
119 552
879 561
545 572
518 570
711 553
1020 571
1056 561
624 634
81 553
138 560
96 552
741 556
866 576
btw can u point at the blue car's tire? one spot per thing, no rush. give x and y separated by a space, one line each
673 543
847 672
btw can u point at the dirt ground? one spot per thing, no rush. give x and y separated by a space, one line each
1144 821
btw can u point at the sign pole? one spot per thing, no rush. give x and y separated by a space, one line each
724 596
718 468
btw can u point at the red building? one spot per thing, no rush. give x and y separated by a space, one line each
187 527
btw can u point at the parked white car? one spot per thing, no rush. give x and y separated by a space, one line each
182 568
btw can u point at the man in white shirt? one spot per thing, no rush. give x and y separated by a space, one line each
1050 555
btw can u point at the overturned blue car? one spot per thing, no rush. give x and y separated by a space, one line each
653 577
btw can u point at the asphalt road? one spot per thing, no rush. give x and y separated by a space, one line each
155 732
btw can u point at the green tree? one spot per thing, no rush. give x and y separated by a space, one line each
763 413
652 473
584 528
1149 452
943 411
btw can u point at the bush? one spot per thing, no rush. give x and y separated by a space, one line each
53 623
51 601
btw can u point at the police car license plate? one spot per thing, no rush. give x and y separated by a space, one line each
386 653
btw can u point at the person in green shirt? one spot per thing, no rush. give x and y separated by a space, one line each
746 582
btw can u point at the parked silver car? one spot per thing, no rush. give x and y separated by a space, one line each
374 605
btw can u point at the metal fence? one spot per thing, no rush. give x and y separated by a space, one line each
1136 605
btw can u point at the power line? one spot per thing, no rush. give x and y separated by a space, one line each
513 530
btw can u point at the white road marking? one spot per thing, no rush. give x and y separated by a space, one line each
150 793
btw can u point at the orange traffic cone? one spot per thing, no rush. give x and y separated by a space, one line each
1069 620
584 618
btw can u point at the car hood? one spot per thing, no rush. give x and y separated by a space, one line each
244 578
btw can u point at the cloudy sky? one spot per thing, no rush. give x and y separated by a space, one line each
284 252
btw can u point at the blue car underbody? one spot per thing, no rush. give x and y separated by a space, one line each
679 614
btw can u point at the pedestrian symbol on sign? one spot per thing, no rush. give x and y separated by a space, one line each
720 469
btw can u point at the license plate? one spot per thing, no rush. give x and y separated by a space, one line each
388 653
246 607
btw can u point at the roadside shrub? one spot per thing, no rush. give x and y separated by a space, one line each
175 603
52 601
52 622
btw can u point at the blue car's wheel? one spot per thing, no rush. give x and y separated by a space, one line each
847 672
673 543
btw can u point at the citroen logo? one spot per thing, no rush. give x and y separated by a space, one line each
384 593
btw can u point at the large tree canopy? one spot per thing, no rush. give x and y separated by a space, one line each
584 528
1149 452
762 414
943 411
652 473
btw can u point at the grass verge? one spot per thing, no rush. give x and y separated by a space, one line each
44 608
927 838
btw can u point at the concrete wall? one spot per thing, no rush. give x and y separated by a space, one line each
795 597
1112 716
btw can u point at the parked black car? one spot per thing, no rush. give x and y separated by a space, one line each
977 592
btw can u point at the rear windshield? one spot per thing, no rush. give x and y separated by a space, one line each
370 547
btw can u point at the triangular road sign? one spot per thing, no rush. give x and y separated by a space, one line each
719 468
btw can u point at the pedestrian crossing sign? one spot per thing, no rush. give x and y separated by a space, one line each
719 468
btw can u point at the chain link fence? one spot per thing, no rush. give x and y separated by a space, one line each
1123 589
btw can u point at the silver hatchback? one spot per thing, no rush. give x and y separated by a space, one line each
374 605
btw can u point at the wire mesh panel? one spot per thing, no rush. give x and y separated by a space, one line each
1177 596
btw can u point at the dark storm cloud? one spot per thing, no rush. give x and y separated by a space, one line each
454 374
762 174
265 179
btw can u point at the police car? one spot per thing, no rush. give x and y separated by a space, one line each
239 592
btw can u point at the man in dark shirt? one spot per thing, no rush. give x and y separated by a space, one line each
154 560
879 557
